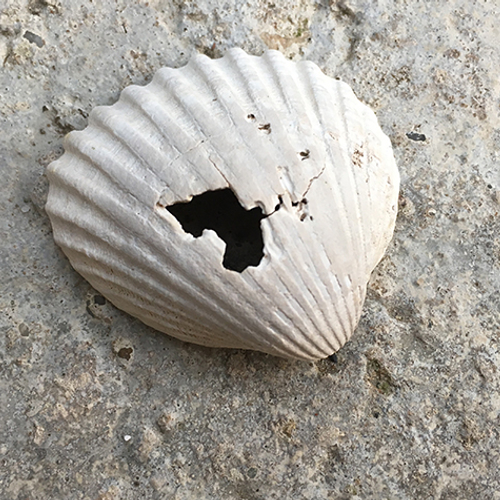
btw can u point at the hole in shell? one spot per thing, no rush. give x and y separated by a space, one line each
239 228
304 154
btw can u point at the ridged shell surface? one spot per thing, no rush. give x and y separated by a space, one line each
289 144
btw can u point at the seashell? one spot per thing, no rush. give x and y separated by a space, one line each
241 202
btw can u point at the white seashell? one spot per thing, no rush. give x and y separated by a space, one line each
261 139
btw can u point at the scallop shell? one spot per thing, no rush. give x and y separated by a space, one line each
241 202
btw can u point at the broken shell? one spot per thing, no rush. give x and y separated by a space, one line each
241 202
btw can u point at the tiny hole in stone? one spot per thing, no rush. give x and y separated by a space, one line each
99 300
414 136
125 353
239 228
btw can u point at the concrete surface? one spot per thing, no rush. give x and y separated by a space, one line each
94 405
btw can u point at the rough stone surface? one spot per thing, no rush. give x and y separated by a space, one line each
94 405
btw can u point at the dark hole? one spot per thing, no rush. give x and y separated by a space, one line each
415 137
239 228
99 300
33 38
334 358
125 353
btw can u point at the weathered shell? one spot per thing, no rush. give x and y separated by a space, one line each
306 160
